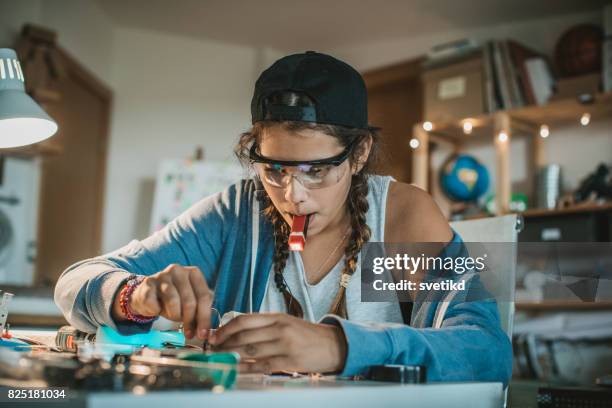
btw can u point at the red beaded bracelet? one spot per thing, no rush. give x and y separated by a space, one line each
125 296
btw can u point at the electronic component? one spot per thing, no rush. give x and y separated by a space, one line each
152 338
398 373
143 370
6 298
67 338
6 339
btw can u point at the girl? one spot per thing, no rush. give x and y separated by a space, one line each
311 150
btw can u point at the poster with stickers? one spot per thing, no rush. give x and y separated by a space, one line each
181 183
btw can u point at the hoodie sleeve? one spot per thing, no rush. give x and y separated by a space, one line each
467 345
85 290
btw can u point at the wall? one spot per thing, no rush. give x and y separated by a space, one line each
83 29
568 146
171 95
86 33
13 14
539 34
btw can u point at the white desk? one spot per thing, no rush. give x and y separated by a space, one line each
257 390
325 392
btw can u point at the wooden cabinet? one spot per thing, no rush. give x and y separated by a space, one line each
73 162
395 103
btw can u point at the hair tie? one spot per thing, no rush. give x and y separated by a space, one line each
125 297
345 279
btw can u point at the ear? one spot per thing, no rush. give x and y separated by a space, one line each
364 152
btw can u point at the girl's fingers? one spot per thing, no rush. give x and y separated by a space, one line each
204 298
244 322
257 351
245 337
187 298
266 365
171 301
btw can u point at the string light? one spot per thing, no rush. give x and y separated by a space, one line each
585 119
414 143
502 137
428 126
544 131
467 127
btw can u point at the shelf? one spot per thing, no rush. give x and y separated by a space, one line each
561 305
544 212
525 120
22 320
488 128
541 212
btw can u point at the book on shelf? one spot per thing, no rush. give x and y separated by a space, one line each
452 49
512 82
502 79
451 58
516 92
519 55
607 64
607 49
492 99
540 79
608 20
497 75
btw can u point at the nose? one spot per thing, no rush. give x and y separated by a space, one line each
295 192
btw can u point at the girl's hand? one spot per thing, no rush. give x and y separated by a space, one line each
178 293
280 342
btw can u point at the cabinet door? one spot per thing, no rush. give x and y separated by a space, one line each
587 227
72 181
395 103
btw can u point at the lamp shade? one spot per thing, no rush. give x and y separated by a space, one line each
22 120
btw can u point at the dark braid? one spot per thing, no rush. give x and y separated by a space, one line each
360 234
281 253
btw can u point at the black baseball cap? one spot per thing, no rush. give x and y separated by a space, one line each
337 90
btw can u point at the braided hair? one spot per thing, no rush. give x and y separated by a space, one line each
357 203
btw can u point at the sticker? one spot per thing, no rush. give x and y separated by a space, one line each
451 88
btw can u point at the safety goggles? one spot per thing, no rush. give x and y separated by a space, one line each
311 174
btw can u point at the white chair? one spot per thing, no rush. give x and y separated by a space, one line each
495 230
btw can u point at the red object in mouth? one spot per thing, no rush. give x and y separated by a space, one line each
299 228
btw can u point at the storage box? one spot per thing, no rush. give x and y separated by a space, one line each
454 91
572 87
578 227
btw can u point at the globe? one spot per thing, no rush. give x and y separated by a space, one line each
463 178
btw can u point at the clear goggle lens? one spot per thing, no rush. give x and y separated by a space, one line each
310 176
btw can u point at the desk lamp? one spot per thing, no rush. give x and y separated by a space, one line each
22 120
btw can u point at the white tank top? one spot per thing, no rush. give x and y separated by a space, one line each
316 299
